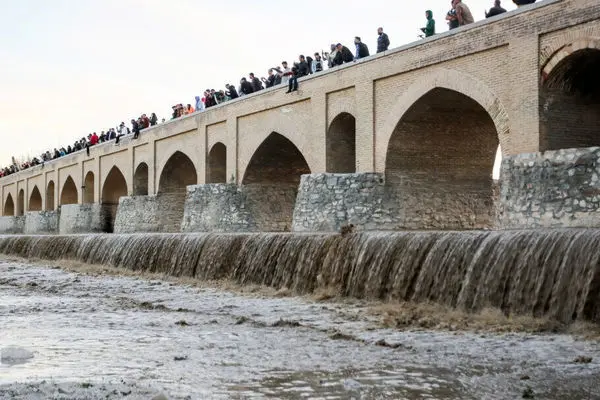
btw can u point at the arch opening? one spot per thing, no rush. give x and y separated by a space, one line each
140 180
216 171
88 188
341 144
50 196
570 102
69 194
178 173
115 186
272 178
35 200
9 206
21 203
439 163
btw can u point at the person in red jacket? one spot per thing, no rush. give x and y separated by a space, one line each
93 139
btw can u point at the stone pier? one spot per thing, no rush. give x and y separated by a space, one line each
82 218
12 225
41 222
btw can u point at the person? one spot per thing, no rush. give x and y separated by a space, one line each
293 82
285 72
302 67
270 81
317 64
256 83
496 10
362 50
332 55
246 87
429 29
231 92
153 119
144 121
135 127
93 139
199 104
343 55
521 3
452 18
463 13
383 41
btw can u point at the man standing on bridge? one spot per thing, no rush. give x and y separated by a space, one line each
463 13
496 10
429 29
383 42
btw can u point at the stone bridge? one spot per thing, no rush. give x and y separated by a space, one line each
405 139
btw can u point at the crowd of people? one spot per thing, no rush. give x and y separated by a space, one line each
285 75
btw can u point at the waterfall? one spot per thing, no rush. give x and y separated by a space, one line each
541 273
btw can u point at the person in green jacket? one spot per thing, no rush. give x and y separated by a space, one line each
429 29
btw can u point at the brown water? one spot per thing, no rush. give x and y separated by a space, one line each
541 273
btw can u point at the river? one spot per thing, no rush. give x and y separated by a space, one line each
101 336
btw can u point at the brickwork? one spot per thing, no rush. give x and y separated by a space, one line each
341 144
140 180
35 201
216 170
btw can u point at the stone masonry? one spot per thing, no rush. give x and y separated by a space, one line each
82 218
41 222
137 214
12 225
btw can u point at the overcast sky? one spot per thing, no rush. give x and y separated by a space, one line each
68 68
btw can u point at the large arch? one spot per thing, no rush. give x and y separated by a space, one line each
88 188
21 202
570 97
9 206
68 194
272 178
140 180
439 163
114 187
216 169
444 79
50 196
341 144
35 200
178 173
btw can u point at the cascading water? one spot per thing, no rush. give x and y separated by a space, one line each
542 273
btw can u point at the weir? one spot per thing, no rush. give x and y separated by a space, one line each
542 273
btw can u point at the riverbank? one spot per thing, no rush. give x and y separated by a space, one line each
192 341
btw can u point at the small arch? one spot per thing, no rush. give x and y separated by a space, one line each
341 144
178 173
9 206
69 194
272 180
35 200
21 203
115 187
570 98
140 180
438 167
50 196
216 171
88 188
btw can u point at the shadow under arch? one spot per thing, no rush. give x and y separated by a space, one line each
341 144
88 188
216 168
21 203
35 200
9 207
114 187
271 182
68 194
50 196
140 180
439 163
178 173
570 98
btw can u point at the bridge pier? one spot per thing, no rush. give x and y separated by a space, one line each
138 214
41 222
12 225
83 218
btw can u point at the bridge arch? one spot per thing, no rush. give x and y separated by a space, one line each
570 97
88 188
341 144
9 206
68 194
441 153
21 202
140 180
216 169
114 187
50 196
35 200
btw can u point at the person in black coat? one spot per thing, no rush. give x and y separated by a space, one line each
343 55
246 87
303 68
256 83
362 50
383 41
231 92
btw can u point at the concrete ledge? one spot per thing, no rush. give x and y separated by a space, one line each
12 225
552 189
41 222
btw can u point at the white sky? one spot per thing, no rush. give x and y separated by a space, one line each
68 68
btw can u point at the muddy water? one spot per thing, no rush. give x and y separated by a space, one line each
117 337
